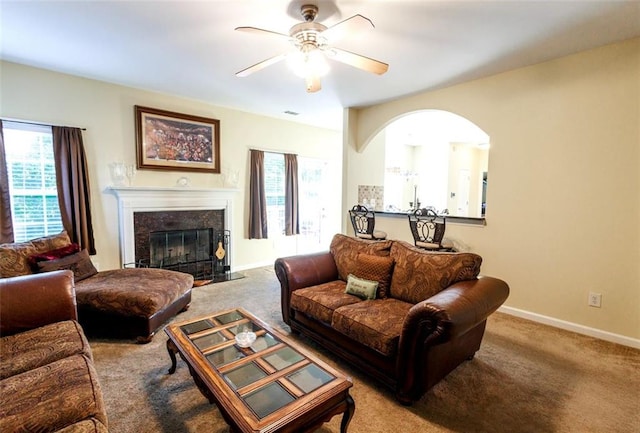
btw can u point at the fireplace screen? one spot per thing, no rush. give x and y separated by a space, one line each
174 246
202 253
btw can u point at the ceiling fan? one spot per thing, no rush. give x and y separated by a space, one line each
312 43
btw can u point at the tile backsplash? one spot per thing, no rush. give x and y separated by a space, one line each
371 196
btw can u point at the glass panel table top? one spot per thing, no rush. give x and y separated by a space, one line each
225 355
266 376
200 325
245 375
283 358
244 327
310 377
229 317
209 340
268 399
263 342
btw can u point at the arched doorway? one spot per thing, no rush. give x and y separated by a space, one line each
437 159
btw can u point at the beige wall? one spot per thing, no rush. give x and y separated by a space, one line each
563 215
106 111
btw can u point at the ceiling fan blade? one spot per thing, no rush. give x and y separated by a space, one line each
358 61
313 83
355 24
261 65
262 32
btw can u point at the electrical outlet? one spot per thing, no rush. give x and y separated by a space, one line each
595 299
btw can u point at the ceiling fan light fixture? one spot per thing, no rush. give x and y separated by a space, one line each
311 62
311 41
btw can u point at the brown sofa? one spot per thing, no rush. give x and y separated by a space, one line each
428 315
47 379
120 303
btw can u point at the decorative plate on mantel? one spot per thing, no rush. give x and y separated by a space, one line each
183 181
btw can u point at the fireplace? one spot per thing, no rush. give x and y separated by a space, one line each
145 210
177 221
199 252
182 240
174 247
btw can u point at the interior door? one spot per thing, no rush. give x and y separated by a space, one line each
464 182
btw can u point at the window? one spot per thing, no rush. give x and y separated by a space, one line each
312 190
274 192
32 180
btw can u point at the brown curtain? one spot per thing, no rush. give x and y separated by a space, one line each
73 186
6 225
291 224
257 199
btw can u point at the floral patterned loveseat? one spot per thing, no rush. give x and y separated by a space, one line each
122 303
404 315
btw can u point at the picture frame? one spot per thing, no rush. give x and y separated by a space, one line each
166 140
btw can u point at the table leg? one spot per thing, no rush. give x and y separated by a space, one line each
348 414
172 349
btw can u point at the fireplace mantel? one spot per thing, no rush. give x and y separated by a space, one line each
157 199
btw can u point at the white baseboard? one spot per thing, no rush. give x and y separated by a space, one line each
574 327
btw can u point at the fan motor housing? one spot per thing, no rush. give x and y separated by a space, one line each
309 12
307 32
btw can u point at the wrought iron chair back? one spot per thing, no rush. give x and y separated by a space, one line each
427 228
364 221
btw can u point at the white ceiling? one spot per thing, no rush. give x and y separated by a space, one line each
190 48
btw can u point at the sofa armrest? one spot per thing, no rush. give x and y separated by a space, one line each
453 318
30 301
298 272
456 309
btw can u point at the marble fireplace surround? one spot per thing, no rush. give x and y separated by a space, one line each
167 199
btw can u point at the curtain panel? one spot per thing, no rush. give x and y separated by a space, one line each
257 199
6 224
72 178
291 215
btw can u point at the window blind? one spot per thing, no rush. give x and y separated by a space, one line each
32 180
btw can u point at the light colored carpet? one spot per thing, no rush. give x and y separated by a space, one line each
526 377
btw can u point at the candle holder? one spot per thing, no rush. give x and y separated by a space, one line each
118 173
130 172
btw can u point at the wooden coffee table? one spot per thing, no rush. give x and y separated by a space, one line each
272 386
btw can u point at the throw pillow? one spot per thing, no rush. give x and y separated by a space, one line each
58 253
345 250
375 268
14 259
363 289
52 242
419 274
80 263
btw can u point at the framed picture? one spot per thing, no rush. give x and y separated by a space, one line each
174 141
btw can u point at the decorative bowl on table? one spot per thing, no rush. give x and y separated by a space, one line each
245 339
